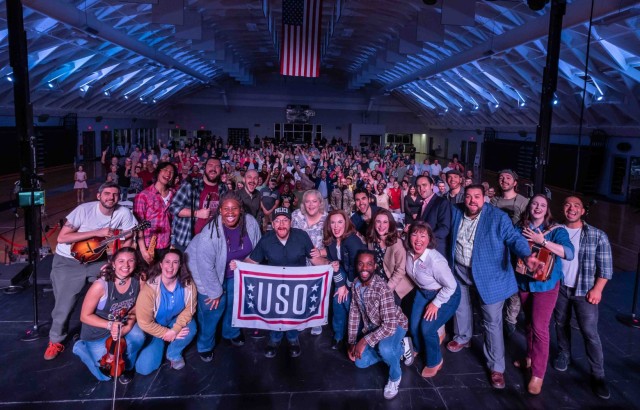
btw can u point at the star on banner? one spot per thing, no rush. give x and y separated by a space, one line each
250 305
314 288
250 296
312 308
313 298
250 287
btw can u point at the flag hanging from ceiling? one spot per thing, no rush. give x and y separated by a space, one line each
300 53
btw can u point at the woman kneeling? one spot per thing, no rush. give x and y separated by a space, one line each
165 310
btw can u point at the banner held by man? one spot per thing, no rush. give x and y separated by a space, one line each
281 298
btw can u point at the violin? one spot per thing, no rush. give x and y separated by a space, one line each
112 363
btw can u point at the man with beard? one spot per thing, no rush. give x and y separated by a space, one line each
68 276
510 201
514 205
195 203
342 197
482 241
250 195
581 292
456 193
364 211
383 324
152 204
283 246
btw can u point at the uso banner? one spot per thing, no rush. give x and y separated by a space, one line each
281 298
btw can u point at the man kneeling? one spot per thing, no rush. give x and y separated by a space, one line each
383 323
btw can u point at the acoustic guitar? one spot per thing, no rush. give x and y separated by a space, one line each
90 250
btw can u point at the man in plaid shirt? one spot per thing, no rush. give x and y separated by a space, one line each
195 203
584 280
383 323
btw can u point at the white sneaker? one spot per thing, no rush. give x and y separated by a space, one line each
408 355
391 389
316 330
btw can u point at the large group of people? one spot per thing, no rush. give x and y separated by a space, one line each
411 246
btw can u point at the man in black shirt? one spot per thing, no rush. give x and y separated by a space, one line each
283 246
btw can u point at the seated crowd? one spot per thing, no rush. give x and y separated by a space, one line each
412 247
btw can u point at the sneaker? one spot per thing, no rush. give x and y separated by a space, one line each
561 363
337 344
391 389
238 341
126 376
53 350
407 355
316 330
206 356
177 364
600 388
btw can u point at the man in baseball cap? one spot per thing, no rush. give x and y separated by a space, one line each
456 192
514 205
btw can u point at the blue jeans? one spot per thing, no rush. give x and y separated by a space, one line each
388 350
91 351
150 356
340 317
587 317
275 337
208 318
124 193
425 332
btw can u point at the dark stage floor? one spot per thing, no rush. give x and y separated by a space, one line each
241 378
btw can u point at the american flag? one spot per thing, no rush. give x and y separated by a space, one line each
300 54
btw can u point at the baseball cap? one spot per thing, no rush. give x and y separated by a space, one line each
454 172
510 172
281 211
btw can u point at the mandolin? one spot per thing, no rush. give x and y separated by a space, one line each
90 250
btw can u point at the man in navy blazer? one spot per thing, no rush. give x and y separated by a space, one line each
482 239
436 211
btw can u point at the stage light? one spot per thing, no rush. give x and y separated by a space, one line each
126 97
522 103
10 78
50 84
599 98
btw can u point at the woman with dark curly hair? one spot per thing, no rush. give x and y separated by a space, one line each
165 311
231 235
108 310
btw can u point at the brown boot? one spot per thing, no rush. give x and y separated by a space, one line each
535 385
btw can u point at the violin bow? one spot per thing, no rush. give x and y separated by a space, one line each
117 357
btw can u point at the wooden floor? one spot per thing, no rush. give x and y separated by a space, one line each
620 221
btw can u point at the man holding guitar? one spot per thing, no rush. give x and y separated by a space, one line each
68 275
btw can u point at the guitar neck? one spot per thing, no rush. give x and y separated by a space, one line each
121 235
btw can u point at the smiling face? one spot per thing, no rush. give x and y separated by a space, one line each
473 200
365 266
337 225
170 265
419 241
454 181
230 212
251 180
573 210
507 182
166 175
381 225
538 209
124 264
212 170
282 226
362 202
311 204
425 188
109 197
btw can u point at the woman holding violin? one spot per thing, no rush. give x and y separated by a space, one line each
110 339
